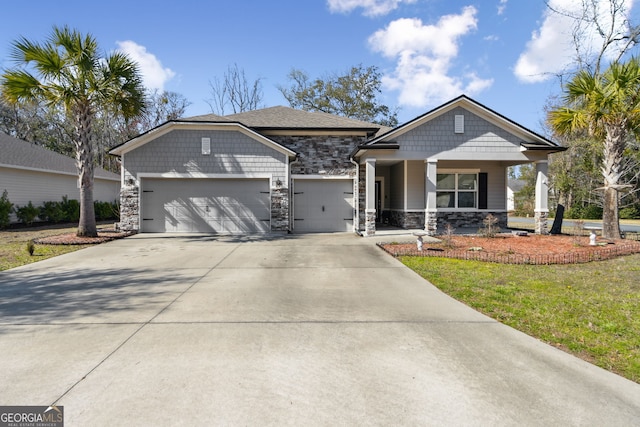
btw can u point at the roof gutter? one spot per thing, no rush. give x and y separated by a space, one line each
538 147
378 146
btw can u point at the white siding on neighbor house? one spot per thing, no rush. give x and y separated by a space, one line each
180 152
24 186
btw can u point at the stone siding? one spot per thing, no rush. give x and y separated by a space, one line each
469 220
129 208
326 155
541 224
280 209
431 223
407 219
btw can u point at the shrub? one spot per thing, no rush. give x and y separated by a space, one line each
489 228
52 211
31 247
6 207
584 212
630 212
70 209
106 210
27 214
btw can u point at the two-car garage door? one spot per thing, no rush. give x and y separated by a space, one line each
228 206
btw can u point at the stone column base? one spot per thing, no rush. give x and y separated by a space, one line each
370 222
431 223
541 225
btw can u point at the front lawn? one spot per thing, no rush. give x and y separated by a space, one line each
13 245
591 310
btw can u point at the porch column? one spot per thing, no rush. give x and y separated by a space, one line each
542 197
431 212
370 198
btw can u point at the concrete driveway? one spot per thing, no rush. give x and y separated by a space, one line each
297 330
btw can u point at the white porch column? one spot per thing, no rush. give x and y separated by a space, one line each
431 212
542 197
370 198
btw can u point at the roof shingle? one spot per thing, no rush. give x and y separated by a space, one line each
16 152
289 118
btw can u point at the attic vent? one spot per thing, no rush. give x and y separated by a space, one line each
206 146
459 124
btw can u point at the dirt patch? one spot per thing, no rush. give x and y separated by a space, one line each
72 239
512 249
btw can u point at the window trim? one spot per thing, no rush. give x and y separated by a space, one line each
456 190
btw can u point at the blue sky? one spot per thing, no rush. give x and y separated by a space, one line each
503 53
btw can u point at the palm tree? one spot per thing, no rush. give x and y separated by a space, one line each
606 107
68 71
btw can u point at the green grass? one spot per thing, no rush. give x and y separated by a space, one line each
13 245
590 310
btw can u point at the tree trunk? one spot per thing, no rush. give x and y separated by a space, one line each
610 218
613 156
84 160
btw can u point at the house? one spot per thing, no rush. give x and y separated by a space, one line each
31 173
283 170
513 187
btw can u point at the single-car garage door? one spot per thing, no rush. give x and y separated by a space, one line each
229 206
323 205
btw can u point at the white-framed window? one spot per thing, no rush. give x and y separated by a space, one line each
457 190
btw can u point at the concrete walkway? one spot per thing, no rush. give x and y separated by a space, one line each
296 330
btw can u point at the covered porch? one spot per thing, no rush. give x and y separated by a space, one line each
432 194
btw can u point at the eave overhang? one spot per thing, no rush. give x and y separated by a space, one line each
360 149
532 146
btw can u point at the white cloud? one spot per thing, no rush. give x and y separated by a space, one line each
551 49
371 7
502 6
424 54
154 76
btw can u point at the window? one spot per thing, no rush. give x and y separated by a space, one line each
457 190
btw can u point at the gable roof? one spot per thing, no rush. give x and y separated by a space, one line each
281 118
530 139
224 124
18 154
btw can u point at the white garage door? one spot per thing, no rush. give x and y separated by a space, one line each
323 205
229 206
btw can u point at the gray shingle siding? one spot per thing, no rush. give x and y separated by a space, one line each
479 135
180 151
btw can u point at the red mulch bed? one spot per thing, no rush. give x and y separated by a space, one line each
512 249
72 239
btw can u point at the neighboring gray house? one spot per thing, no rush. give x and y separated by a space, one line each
285 170
31 173
513 186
